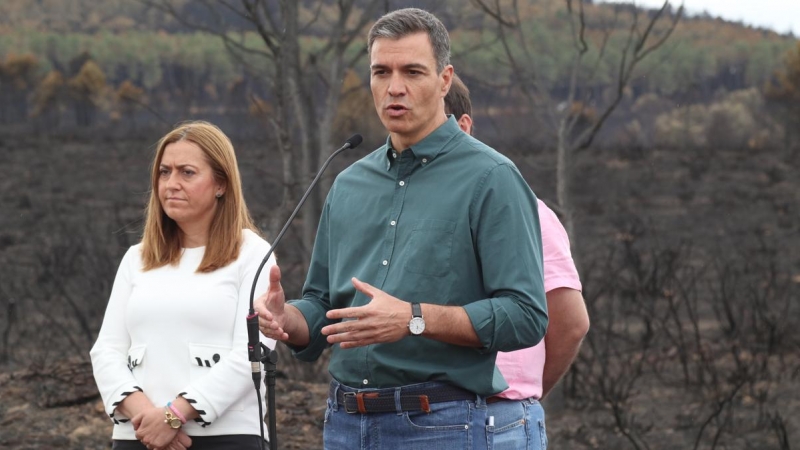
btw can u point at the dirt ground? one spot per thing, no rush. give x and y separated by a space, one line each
58 407
53 191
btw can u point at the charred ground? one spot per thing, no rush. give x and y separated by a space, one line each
689 259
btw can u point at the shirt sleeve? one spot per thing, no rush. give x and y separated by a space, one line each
110 364
506 230
316 292
559 267
230 380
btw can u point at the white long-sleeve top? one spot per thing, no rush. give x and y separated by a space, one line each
172 331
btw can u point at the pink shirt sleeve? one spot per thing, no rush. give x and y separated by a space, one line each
523 369
559 268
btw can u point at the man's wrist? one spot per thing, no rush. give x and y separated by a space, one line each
296 326
417 323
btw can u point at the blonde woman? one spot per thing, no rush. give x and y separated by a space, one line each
171 357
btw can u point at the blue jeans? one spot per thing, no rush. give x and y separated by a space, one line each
453 425
518 424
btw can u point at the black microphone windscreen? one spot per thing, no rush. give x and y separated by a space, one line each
354 140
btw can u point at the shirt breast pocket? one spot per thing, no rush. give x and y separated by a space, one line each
137 366
135 361
202 357
430 247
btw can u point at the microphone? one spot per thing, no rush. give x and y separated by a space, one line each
253 348
354 141
253 341
252 317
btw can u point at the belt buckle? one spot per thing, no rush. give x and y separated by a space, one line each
344 400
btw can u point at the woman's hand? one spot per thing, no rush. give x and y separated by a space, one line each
152 430
134 404
182 441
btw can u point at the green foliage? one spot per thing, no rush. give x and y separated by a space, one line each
81 16
698 51
139 56
130 42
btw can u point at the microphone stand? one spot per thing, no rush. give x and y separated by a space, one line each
270 360
254 345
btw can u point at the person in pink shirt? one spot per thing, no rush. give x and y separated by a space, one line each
533 372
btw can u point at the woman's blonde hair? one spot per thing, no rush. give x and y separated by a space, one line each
161 240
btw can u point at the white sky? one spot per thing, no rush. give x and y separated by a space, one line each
780 15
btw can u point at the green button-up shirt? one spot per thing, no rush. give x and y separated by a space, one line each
448 221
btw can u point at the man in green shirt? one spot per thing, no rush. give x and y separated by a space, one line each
427 262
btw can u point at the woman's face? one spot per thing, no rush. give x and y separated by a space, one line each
186 186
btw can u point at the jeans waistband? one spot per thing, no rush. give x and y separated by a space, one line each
416 397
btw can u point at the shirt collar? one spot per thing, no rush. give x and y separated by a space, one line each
430 146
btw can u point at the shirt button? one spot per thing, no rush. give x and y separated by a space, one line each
393 223
424 160
402 183
366 381
394 155
385 262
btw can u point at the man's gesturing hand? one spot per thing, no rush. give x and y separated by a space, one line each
271 308
383 319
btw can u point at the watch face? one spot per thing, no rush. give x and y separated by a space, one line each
416 325
175 423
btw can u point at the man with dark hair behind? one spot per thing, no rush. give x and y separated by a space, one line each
531 373
427 262
457 102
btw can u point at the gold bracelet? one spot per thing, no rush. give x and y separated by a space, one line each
171 419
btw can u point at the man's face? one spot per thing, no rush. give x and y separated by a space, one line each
407 91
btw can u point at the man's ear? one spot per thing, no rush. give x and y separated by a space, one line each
465 123
447 77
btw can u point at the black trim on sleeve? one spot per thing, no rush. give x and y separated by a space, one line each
200 420
115 404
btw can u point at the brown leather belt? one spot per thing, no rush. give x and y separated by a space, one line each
495 399
411 399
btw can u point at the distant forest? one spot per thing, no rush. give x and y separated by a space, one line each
78 63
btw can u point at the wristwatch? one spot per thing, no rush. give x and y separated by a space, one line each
417 324
171 420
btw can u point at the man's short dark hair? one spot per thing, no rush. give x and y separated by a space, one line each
404 22
457 101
